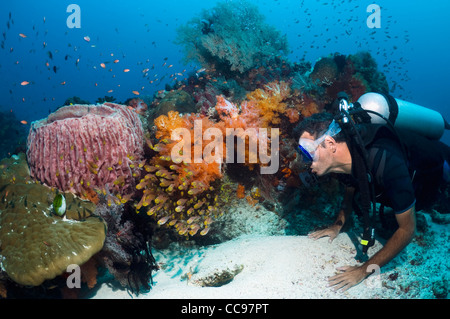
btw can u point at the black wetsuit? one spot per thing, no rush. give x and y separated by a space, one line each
403 177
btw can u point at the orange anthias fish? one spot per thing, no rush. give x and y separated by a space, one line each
116 61
22 35
103 65
25 83
24 122
126 70
135 92
87 38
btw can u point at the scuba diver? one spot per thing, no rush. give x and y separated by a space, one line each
384 150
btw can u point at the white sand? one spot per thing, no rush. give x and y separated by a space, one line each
293 267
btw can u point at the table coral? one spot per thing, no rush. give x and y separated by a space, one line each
79 148
35 244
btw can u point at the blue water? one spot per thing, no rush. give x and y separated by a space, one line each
411 47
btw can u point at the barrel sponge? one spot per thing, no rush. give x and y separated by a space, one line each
79 148
36 245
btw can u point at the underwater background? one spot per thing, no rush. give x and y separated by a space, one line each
410 47
144 56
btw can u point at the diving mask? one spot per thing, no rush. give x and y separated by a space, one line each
307 147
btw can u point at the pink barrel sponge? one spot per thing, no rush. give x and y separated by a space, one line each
81 148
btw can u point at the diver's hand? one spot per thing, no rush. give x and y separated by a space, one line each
331 232
350 276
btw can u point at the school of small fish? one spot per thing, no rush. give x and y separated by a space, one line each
325 35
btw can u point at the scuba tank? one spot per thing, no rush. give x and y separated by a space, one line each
403 114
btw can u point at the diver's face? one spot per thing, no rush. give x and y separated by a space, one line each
322 162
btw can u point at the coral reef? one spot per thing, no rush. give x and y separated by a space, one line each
231 38
89 273
37 245
180 182
366 68
354 74
243 123
80 148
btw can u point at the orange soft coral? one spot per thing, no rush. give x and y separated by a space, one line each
293 115
89 273
308 106
269 102
179 184
245 126
240 192
167 123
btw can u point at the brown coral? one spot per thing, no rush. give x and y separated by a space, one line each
35 244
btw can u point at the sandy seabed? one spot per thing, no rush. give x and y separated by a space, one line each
288 267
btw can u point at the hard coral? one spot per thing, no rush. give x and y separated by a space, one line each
79 148
36 244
